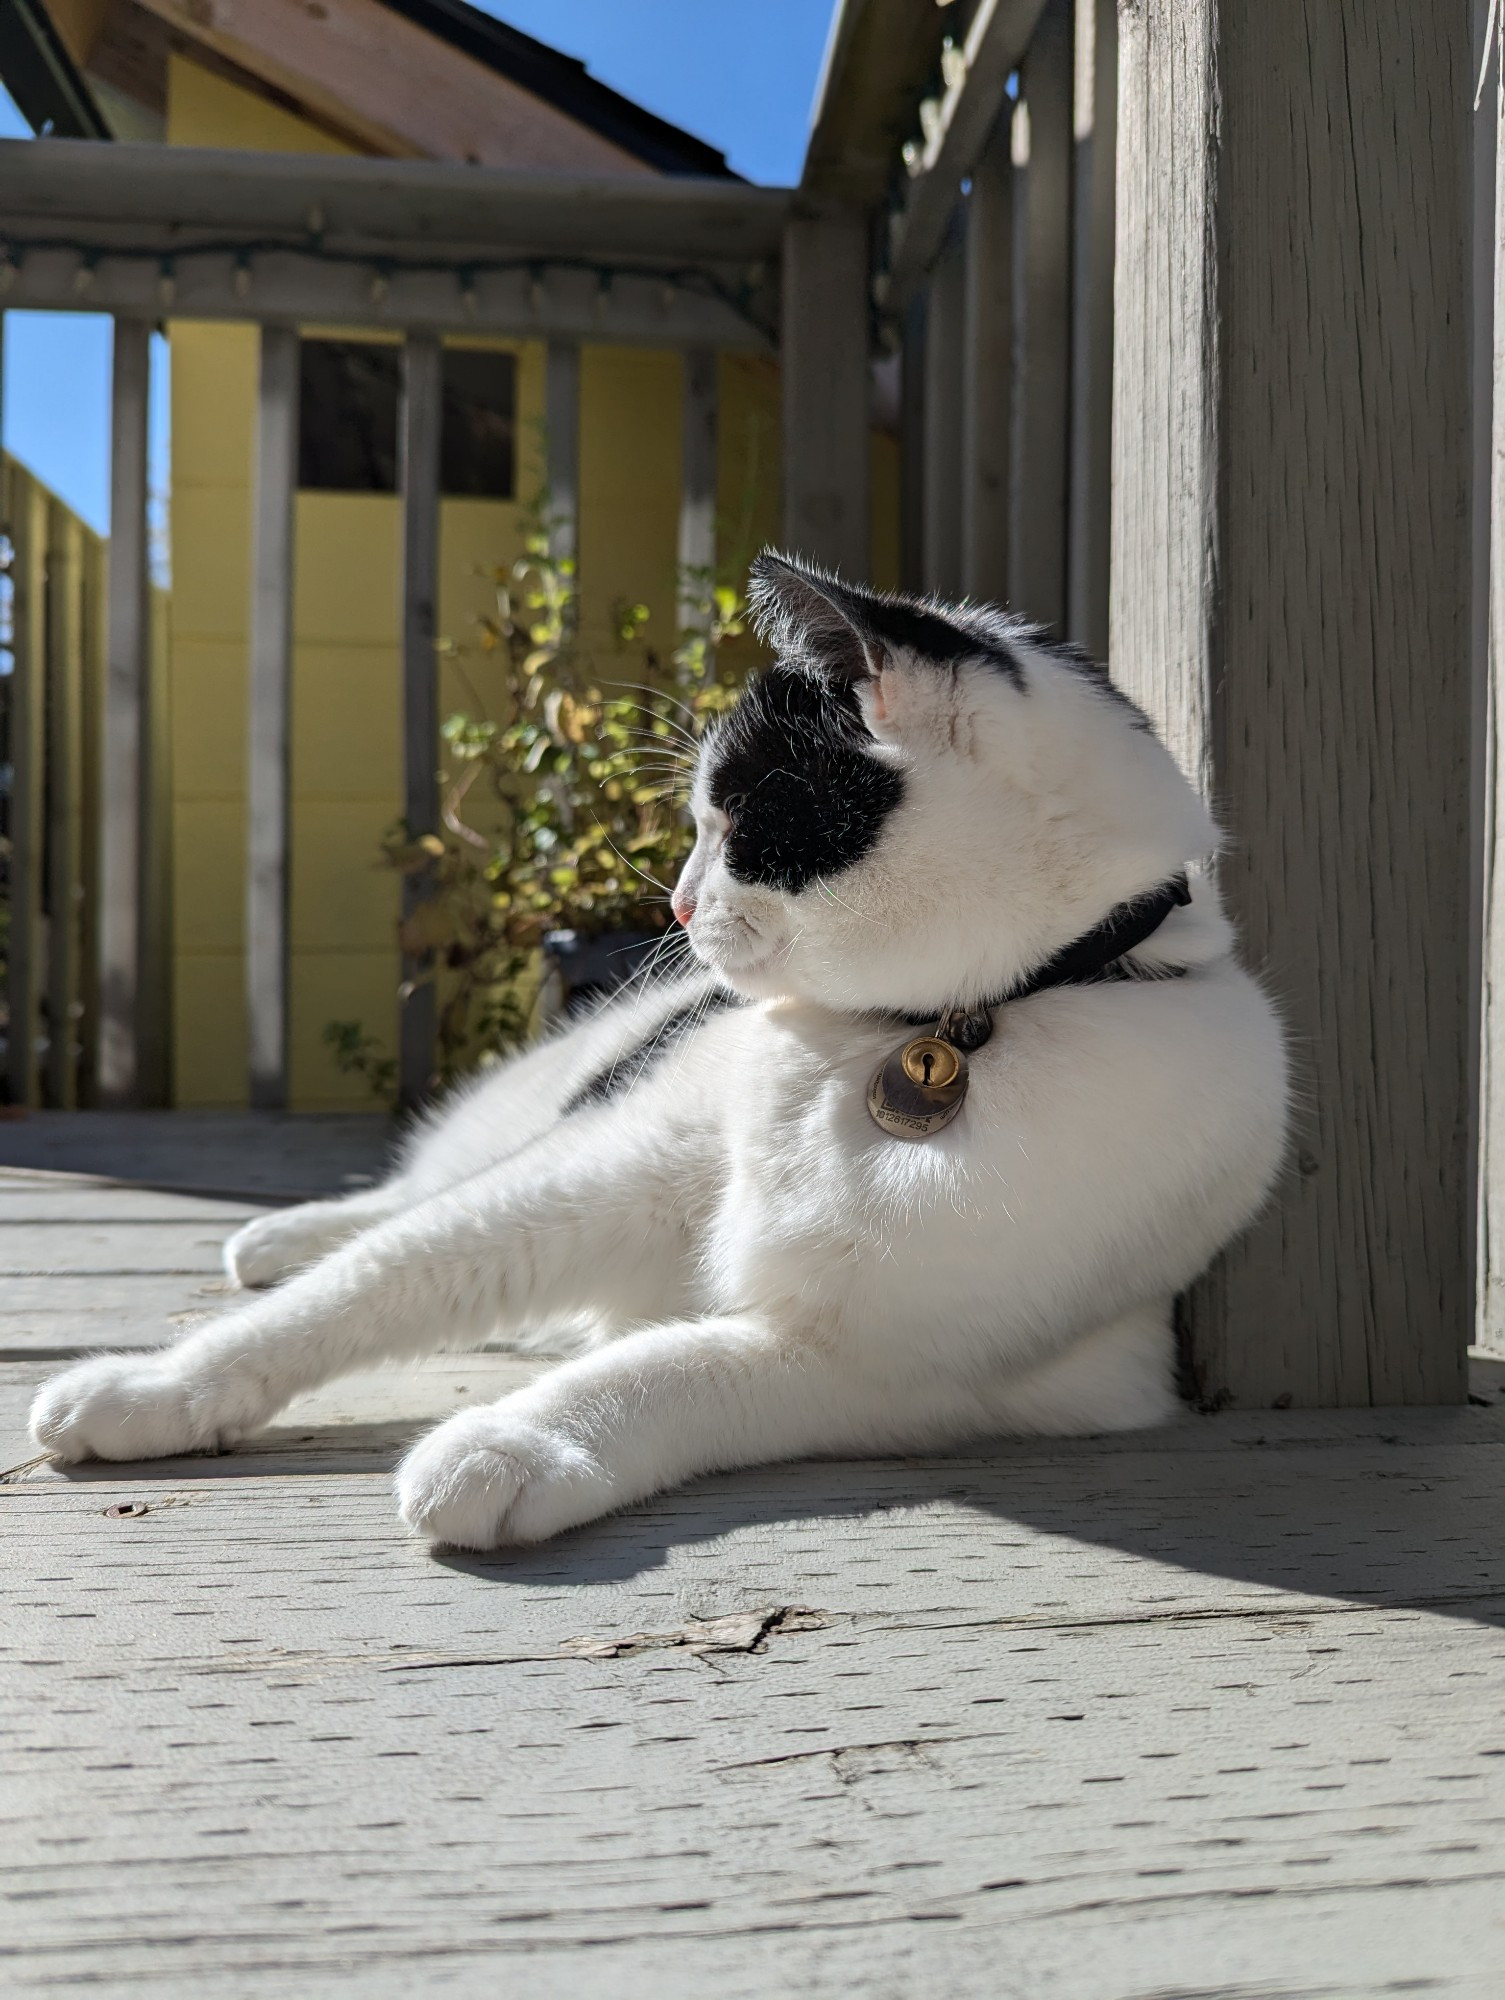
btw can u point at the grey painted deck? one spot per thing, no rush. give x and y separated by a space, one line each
1214 1712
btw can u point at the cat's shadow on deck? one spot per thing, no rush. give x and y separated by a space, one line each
1385 1508
1391 1509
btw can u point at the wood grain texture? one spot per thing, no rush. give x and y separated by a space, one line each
988 370
1491 586
65 692
825 390
1042 308
945 416
127 727
1208 1711
1094 128
269 720
1291 462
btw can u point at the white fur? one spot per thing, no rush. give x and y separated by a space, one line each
752 1270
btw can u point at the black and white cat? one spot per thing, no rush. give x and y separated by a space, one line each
917 807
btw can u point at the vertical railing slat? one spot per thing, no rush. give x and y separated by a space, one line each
825 389
64 788
944 417
418 456
987 370
93 653
1042 154
123 766
912 446
1089 504
268 732
28 534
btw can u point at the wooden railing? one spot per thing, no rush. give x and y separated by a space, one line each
52 703
997 275
423 251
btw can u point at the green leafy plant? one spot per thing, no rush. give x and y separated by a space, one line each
563 809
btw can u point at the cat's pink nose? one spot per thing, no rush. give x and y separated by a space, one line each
683 905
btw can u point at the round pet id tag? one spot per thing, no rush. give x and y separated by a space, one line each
921 1087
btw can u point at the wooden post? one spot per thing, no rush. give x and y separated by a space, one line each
1290 602
1089 498
94 654
562 448
269 724
912 447
987 371
64 798
826 390
697 489
944 424
123 777
1489 586
421 420
1042 303
25 960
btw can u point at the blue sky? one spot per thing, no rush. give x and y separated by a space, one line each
738 73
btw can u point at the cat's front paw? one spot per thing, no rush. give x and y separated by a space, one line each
488 1477
124 1406
273 1247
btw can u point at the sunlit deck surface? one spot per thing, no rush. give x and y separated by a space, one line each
1214 1711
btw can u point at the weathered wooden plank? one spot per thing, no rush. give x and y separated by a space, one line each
25 960
945 419
1090 482
1488 608
65 666
987 370
69 1314
269 722
1290 537
697 487
421 427
80 1246
912 446
826 390
123 775
1041 428
94 650
997 37
1185 1725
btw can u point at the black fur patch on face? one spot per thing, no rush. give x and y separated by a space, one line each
792 769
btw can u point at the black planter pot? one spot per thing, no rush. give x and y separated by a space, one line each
592 968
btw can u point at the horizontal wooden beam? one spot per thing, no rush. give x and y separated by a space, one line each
280 287
169 195
880 56
994 47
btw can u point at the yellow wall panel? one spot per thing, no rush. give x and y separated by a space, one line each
208 718
347 726
208 110
211 562
344 898
346 589
213 393
630 432
209 874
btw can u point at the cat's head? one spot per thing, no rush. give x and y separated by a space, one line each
918 802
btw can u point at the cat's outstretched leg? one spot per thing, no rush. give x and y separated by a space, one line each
597 1228
274 1246
644 1413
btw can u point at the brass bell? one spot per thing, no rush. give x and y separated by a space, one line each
921 1087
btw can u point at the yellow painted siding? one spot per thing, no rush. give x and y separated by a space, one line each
346 763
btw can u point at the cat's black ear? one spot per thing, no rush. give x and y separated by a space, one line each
812 620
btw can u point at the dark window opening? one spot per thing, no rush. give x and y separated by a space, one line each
347 419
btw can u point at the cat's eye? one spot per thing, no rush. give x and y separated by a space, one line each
732 806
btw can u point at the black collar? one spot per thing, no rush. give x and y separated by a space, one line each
1092 957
